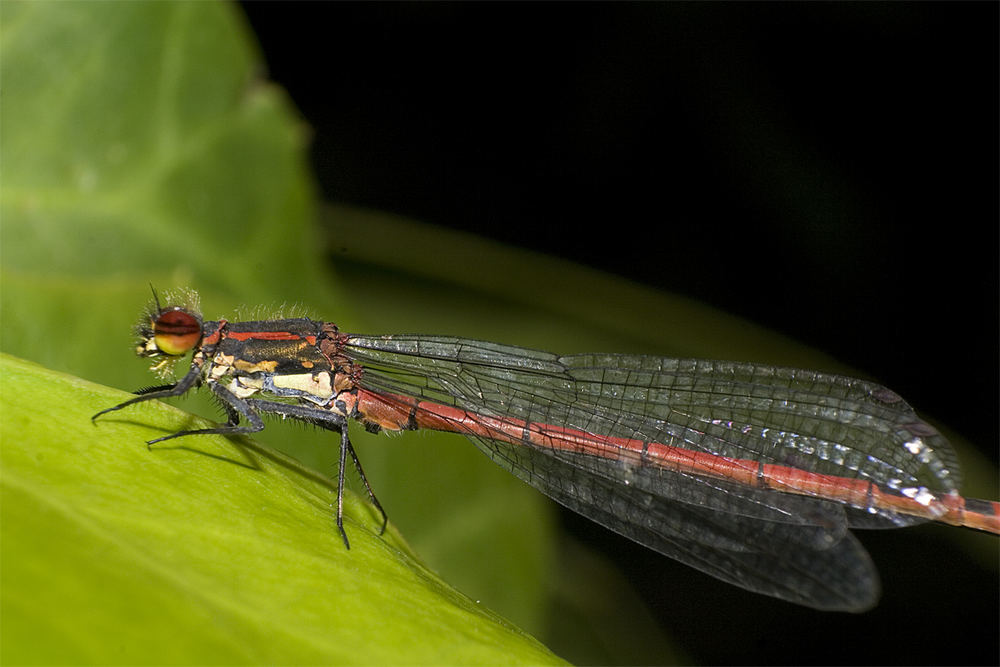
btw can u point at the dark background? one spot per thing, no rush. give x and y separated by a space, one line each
828 170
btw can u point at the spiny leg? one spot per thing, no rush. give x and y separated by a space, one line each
235 407
364 480
334 422
163 391
344 445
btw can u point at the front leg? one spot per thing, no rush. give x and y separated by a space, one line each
235 407
164 391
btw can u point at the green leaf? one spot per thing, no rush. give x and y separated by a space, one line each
211 550
140 136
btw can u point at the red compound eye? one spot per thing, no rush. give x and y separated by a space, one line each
176 331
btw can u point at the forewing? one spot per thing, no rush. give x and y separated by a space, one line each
790 546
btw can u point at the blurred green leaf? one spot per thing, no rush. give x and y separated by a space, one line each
139 141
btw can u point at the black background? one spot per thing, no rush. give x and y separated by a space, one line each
828 170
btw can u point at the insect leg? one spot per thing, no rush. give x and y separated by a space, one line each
235 406
166 391
364 480
344 444
333 422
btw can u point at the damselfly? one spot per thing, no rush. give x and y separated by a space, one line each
748 472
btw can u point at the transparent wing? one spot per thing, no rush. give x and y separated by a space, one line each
788 545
